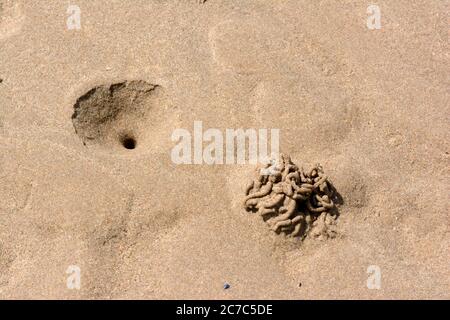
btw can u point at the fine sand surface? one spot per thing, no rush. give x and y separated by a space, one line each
372 106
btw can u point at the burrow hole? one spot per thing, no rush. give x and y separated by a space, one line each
128 142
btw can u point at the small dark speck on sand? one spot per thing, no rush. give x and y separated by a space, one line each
226 286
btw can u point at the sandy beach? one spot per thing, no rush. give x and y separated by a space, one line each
94 206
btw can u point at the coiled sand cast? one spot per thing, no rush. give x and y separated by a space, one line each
292 201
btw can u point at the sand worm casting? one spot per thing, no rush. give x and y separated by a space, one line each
292 201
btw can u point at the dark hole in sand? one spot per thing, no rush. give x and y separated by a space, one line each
129 143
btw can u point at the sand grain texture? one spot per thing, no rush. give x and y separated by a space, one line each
371 106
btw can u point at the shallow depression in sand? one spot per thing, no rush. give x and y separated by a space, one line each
120 117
